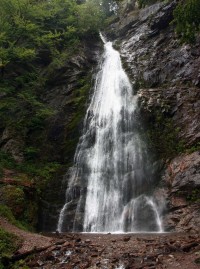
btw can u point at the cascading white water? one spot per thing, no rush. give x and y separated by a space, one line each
112 160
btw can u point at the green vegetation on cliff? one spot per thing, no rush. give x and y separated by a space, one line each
143 3
36 34
8 244
187 19
41 42
37 38
163 136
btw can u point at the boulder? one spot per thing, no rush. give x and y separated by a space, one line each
183 179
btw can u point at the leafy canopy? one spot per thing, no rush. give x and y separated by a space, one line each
33 35
187 19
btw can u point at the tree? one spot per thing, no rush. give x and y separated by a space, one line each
30 29
187 19
90 17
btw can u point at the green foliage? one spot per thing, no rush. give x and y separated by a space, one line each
94 19
78 101
187 19
37 38
33 114
6 161
194 196
31 153
14 197
17 203
28 29
163 136
194 148
6 212
9 243
21 264
39 172
27 26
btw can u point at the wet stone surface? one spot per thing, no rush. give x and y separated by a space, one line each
138 251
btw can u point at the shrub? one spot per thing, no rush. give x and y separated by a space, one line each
187 19
9 243
6 212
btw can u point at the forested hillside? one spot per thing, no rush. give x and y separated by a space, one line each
37 40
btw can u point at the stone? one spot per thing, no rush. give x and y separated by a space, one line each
60 242
49 256
183 173
163 17
15 148
126 239
66 244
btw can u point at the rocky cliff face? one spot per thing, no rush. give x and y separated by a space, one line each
183 181
166 76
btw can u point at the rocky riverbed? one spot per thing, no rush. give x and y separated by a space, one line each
105 251
138 251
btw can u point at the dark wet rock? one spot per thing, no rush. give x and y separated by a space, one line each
14 147
149 11
127 238
163 18
153 54
185 173
166 76
12 144
78 240
183 106
49 256
60 242
183 179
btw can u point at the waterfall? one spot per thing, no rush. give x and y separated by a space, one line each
111 181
